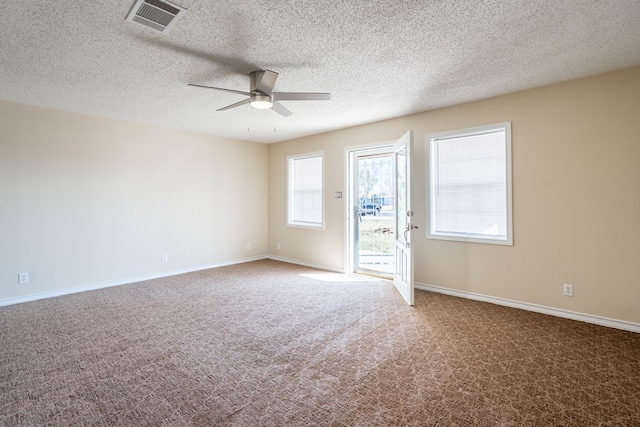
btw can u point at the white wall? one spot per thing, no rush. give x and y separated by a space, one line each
88 201
576 183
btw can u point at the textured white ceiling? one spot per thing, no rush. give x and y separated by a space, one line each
379 59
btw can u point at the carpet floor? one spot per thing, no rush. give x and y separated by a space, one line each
272 344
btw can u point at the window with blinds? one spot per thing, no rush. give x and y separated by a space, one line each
305 191
470 185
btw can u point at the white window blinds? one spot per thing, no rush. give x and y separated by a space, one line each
471 185
305 191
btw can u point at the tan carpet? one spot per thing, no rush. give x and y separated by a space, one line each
272 344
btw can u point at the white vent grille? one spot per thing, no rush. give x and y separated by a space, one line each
156 14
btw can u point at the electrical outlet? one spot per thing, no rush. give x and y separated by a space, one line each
23 278
165 258
248 246
278 245
567 290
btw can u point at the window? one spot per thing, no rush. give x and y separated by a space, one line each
305 192
470 185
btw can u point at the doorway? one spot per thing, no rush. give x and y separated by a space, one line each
371 204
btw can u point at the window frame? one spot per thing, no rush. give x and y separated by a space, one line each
459 237
290 222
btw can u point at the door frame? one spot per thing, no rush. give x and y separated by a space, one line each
351 153
403 282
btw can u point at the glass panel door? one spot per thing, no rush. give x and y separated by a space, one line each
373 212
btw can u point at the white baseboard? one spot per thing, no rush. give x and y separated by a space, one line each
305 264
598 320
567 314
126 281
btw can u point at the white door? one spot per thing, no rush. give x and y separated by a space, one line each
403 275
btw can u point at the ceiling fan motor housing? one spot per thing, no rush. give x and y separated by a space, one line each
259 98
254 80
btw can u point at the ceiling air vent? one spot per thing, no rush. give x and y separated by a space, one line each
156 14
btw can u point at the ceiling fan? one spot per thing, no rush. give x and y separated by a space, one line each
261 94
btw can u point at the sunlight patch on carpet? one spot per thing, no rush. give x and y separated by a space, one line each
336 277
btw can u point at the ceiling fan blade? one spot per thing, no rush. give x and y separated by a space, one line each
237 104
239 92
280 109
266 81
301 96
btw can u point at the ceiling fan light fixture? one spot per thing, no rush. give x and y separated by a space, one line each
261 101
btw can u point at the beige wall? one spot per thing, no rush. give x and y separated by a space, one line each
576 199
86 201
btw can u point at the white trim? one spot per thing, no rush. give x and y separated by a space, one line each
129 280
558 312
348 213
350 155
305 264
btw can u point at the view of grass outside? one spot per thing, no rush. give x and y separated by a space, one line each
376 234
